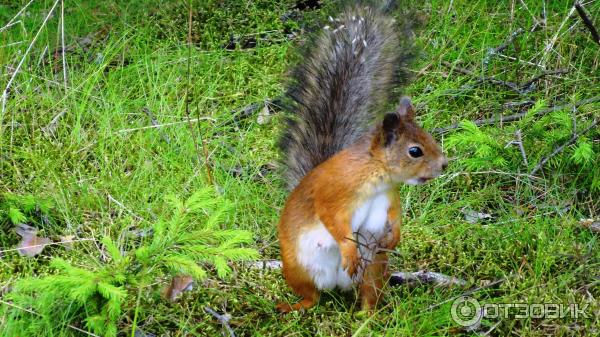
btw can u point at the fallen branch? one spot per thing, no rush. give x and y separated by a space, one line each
588 23
527 84
559 149
518 116
520 89
480 79
425 277
224 319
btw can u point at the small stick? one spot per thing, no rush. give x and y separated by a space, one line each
506 43
588 23
543 74
521 148
221 318
518 116
520 89
511 85
563 146
512 105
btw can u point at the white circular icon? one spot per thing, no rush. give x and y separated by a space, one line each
466 311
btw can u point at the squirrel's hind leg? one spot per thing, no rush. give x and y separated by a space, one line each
305 288
301 283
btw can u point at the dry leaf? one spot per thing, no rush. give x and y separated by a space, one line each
179 284
591 224
67 241
31 245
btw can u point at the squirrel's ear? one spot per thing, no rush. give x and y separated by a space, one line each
406 110
391 121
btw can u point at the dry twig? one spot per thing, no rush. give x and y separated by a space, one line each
559 149
528 84
588 22
221 318
518 116
506 43
480 79
520 89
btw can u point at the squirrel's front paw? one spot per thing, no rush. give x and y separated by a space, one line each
350 260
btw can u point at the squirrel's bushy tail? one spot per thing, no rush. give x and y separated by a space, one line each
345 77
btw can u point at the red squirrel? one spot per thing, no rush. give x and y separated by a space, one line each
343 162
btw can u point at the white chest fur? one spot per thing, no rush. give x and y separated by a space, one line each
319 253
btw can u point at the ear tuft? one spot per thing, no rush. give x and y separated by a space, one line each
391 121
406 109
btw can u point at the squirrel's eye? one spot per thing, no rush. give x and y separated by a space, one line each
415 152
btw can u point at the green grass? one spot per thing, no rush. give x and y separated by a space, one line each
102 176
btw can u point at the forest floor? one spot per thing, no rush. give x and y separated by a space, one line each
105 139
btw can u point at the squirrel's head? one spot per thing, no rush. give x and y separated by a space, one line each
412 156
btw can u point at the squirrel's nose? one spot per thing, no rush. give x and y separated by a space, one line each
444 163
